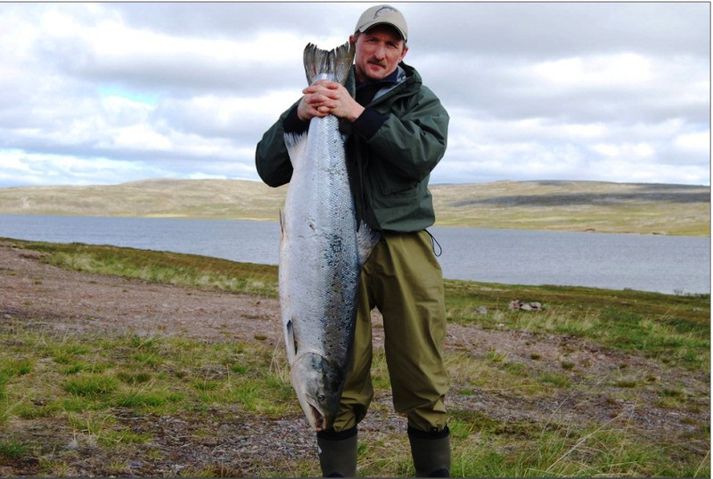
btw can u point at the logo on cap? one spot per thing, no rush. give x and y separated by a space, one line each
383 10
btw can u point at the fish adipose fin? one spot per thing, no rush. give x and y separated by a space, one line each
331 65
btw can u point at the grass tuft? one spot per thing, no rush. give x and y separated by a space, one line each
91 386
12 449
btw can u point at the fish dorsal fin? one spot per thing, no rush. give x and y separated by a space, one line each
328 64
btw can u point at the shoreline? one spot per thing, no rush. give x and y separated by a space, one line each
532 205
544 285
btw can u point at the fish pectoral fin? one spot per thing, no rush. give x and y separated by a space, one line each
290 341
366 240
296 145
282 224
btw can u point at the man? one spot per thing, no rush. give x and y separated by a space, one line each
396 134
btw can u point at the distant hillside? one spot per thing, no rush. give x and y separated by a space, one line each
546 205
577 206
151 198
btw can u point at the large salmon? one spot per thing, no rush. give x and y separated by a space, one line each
320 254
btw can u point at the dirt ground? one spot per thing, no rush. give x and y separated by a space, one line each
37 295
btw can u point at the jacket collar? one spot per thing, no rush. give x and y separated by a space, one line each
392 79
403 74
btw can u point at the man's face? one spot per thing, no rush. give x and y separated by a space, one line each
378 52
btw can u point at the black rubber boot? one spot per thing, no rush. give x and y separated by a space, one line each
338 452
431 452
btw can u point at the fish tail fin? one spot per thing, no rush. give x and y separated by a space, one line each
296 145
328 64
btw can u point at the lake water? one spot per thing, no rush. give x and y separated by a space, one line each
644 262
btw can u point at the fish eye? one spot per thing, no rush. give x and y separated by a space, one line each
321 398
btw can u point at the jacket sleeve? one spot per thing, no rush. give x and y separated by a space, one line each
414 142
271 158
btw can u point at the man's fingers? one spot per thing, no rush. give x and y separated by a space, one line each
323 86
317 99
326 84
322 98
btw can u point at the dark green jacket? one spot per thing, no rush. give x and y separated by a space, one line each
389 170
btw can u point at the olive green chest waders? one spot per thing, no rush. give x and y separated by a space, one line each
403 279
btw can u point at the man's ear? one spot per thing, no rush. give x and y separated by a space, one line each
353 38
403 54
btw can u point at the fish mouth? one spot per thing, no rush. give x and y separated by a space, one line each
320 422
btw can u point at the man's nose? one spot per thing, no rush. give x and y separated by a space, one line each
380 52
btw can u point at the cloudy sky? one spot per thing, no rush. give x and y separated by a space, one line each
107 93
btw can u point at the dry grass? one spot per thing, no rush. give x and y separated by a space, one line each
577 206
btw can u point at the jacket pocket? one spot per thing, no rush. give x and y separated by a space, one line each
397 195
400 189
389 183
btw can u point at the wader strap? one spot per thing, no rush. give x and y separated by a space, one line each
434 243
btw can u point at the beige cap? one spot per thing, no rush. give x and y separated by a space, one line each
385 14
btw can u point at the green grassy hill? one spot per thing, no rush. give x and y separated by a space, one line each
577 206
545 205
152 198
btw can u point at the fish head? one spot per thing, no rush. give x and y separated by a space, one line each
318 383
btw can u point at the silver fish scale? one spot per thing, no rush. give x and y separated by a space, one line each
320 253
319 265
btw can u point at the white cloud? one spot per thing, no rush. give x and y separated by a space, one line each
105 49
48 169
116 92
120 110
698 142
137 137
199 175
599 71
624 151
226 115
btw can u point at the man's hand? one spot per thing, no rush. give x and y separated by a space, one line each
324 98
